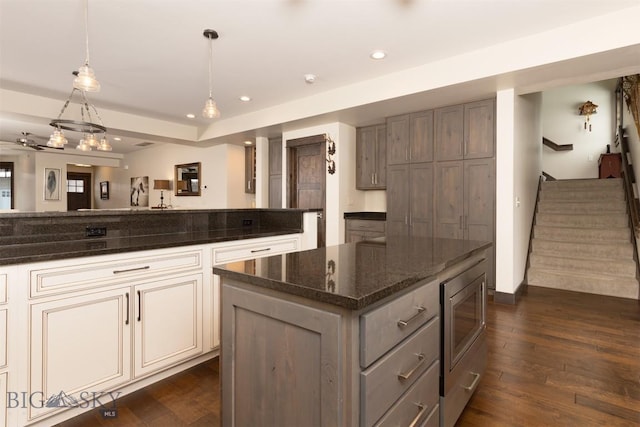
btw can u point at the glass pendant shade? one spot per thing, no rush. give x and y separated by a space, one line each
83 146
210 109
104 145
57 139
86 79
91 140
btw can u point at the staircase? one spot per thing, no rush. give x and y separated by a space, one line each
582 240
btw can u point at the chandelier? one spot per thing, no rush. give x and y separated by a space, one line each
210 110
85 81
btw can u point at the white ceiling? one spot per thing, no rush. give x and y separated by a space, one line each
152 59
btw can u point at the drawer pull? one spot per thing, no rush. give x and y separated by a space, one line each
474 382
260 250
403 323
422 409
146 267
408 374
126 322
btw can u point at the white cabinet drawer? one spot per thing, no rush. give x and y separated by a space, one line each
387 379
69 277
419 405
3 288
255 249
387 325
4 345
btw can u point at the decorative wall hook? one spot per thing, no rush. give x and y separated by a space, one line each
331 150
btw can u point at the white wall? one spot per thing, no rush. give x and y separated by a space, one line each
562 124
24 167
119 184
222 174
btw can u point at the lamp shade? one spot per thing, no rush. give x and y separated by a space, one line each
161 184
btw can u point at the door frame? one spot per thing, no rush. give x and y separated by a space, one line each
10 166
88 177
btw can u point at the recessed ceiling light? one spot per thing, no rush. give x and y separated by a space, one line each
117 138
310 78
378 54
245 98
248 142
191 116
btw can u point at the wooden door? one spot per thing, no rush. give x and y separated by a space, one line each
421 199
162 340
78 191
449 132
479 205
6 186
275 172
398 140
421 137
307 175
479 129
449 200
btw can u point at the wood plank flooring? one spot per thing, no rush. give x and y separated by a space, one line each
557 358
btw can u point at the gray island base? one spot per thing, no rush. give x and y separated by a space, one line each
352 335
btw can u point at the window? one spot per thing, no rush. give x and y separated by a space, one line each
75 186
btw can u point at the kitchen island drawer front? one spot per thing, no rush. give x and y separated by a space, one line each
387 379
387 325
71 278
3 288
3 338
418 406
472 367
256 249
366 225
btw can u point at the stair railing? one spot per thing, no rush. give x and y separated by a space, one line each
556 147
629 179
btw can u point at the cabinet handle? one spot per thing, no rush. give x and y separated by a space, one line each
376 175
406 220
403 323
408 374
253 251
474 382
126 322
139 306
249 184
372 179
461 224
422 409
146 267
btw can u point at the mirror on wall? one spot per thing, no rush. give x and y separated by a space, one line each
187 179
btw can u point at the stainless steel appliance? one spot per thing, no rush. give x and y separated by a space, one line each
463 347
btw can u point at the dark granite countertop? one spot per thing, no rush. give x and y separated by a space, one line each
47 251
355 275
370 216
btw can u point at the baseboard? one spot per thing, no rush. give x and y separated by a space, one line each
507 298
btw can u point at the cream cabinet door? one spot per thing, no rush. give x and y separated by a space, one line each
4 344
3 400
168 322
79 346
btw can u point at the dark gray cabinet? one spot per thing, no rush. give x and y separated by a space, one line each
371 158
410 199
250 170
410 138
275 172
465 131
357 230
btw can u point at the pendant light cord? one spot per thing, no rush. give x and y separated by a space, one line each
86 28
210 66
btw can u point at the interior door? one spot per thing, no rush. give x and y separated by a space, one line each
307 178
78 191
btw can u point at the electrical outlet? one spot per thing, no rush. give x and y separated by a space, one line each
95 231
591 157
247 222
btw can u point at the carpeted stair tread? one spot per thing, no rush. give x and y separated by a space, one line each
582 206
581 234
602 250
577 264
590 283
583 220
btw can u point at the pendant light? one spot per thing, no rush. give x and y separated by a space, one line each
86 78
210 110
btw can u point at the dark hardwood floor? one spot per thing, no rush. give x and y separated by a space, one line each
557 358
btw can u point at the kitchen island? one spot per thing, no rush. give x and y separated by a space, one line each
349 335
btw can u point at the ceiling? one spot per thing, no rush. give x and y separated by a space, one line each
152 60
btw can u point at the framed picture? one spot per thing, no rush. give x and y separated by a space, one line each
52 184
140 191
104 190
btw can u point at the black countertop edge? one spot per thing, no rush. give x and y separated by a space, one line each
372 216
53 251
98 212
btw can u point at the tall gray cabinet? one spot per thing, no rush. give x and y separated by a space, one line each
441 174
410 174
371 158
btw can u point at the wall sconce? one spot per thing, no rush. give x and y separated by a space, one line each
587 109
161 184
331 150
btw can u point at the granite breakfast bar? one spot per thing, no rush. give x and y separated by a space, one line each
348 335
